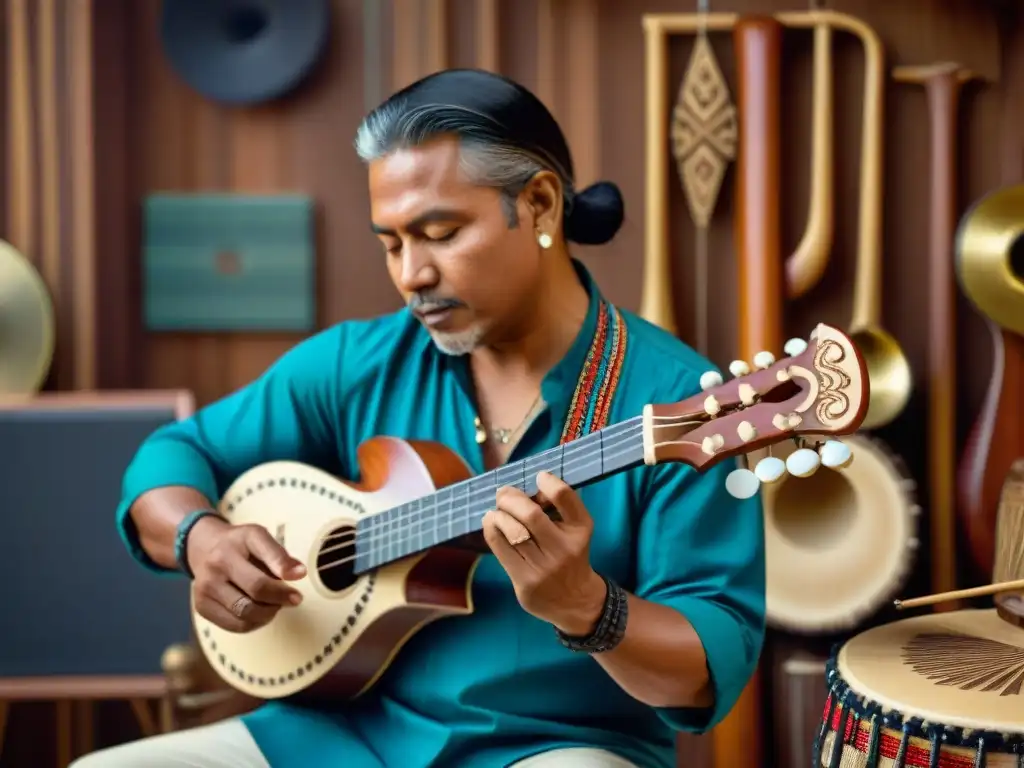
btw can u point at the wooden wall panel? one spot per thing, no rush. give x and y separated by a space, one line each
49 168
302 143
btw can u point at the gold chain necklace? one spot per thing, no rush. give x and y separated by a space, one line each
504 436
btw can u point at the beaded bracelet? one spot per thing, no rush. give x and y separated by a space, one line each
611 627
181 537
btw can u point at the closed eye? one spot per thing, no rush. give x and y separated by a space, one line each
446 237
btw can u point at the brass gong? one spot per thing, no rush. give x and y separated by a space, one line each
990 257
26 325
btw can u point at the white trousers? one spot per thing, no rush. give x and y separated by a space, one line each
228 744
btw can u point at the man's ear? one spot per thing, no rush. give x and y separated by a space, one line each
543 197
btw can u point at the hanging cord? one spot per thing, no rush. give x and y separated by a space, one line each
701 234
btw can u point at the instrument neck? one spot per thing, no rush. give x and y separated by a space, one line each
458 510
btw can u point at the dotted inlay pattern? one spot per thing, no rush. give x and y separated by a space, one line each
351 621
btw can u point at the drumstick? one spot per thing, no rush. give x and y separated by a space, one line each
758 47
942 82
960 594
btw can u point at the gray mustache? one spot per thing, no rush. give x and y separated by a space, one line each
419 303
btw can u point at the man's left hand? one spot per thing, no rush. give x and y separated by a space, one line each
547 561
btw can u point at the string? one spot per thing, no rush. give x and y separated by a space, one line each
631 428
565 453
478 496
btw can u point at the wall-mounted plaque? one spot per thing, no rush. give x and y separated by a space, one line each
225 262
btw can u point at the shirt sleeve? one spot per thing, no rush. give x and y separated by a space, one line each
289 413
701 552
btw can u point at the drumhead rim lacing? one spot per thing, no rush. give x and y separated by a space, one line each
859 707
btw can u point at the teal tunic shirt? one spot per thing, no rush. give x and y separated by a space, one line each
494 687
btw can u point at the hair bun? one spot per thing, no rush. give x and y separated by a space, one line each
596 215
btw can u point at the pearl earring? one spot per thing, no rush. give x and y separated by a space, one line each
545 240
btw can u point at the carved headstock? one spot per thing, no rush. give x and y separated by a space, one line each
821 388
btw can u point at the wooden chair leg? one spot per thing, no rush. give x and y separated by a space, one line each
4 709
65 733
166 705
84 727
144 717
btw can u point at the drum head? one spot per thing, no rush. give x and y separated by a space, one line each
839 543
962 669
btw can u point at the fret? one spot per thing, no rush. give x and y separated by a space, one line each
446 518
509 474
461 524
577 468
364 544
532 466
416 532
391 532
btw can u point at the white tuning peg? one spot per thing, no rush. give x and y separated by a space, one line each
835 455
738 368
742 484
795 347
710 379
803 463
764 360
770 469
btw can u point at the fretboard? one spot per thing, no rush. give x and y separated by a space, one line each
457 510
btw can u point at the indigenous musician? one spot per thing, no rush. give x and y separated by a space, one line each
505 348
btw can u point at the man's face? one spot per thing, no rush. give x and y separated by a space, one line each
449 248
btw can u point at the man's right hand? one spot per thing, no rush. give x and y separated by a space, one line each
240 574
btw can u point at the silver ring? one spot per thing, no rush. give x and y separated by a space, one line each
241 607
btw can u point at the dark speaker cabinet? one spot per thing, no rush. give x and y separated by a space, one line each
76 603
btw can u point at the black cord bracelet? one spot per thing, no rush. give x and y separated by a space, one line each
181 537
610 627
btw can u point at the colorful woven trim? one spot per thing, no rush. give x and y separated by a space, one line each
599 378
909 742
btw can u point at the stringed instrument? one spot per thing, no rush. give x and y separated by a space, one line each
387 556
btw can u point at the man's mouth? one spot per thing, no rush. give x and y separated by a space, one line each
434 315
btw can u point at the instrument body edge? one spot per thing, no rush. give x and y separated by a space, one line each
344 635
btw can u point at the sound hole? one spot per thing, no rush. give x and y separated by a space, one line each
1017 258
245 23
336 559
816 512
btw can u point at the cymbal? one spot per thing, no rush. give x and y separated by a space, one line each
26 324
244 51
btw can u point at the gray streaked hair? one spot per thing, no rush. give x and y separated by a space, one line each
486 160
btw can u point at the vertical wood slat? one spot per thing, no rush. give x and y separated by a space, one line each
83 184
20 149
546 53
373 63
50 162
488 54
436 53
49 149
406 50
581 113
